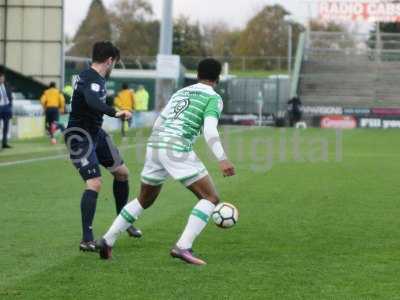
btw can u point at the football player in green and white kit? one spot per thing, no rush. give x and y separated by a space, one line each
169 153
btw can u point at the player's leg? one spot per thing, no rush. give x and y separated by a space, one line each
121 195
6 124
120 186
83 156
187 168
110 158
208 198
88 210
129 214
47 122
132 211
51 115
153 177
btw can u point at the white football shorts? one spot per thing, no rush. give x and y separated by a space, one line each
163 163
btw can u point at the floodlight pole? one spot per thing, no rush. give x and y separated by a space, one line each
166 34
289 21
164 87
290 49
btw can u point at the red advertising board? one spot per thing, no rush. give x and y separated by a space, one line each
338 122
386 111
363 10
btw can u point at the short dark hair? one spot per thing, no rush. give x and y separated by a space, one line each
125 86
52 84
104 50
209 69
2 72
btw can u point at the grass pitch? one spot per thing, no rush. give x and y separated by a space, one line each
319 220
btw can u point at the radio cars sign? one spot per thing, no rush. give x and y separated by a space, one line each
364 10
338 122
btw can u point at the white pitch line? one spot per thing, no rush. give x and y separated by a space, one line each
59 156
32 160
54 157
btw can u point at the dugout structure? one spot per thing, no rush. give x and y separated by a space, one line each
31 38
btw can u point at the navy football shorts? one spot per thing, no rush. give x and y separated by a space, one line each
88 152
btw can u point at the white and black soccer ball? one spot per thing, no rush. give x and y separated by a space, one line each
225 215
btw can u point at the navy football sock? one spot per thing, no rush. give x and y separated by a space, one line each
88 209
121 194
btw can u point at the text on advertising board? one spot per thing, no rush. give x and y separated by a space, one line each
367 11
338 122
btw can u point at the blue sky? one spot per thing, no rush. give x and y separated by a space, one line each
234 12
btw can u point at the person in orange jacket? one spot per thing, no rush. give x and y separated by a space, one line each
53 103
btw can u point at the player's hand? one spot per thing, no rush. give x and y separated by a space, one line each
124 115
227 168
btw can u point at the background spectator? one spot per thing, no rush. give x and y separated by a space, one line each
68 91
5 108
125 101
294 111
142 99
53 103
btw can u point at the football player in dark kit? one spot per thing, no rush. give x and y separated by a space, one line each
89 145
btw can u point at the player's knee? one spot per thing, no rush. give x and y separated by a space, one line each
94 184
122 173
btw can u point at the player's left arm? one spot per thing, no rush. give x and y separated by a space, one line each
211 135
92 98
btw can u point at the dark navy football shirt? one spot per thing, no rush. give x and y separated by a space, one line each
89 102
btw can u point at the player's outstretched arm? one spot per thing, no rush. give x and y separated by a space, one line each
123 114
92 98
213 140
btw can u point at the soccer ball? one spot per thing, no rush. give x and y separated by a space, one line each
225 215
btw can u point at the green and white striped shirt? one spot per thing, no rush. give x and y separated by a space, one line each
184 117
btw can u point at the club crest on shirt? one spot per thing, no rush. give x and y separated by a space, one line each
180 107
95 87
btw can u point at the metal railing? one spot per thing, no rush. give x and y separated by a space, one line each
235 63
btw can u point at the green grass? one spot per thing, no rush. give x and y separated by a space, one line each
312 227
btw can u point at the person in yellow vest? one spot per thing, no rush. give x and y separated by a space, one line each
53 103
68 91
125 101
142 99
